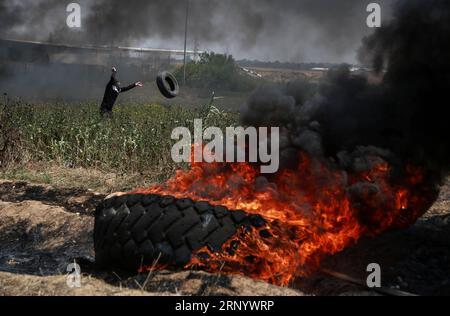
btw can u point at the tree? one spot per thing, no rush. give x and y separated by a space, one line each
216 72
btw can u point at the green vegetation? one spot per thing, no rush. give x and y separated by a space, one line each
136 139
217 72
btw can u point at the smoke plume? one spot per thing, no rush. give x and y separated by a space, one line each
351 123
289 30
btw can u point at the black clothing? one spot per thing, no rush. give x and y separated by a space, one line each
112 91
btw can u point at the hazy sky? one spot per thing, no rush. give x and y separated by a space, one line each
285 30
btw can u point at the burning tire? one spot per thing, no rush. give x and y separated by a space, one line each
167 84
132 231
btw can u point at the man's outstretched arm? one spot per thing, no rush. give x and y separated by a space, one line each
132 86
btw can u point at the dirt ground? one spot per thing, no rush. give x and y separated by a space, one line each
415 260
45 228
286 75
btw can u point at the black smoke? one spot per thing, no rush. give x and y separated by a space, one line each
350 121
265 29
323 29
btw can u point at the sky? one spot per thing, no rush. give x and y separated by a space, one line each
269 30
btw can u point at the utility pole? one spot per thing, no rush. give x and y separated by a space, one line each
5 96
185 41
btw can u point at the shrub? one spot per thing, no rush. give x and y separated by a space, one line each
137 138
216 72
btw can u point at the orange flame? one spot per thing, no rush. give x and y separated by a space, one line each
310 212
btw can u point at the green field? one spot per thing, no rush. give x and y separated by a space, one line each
136 139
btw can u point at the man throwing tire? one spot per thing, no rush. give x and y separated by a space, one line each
112 91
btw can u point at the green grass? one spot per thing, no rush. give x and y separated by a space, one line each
22 174
136 139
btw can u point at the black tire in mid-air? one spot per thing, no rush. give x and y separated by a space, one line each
135 230
167 84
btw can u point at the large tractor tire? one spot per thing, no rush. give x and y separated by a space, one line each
167 84
132 231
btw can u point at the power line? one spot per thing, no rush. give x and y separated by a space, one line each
185 41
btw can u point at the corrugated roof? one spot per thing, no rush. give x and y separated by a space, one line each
109 48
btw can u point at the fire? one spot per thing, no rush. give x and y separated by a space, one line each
313 211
